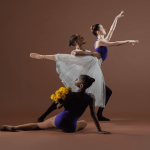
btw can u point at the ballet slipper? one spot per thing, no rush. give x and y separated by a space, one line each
3 128
103 118
7 128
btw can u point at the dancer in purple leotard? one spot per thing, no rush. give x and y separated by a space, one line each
101 47
75 104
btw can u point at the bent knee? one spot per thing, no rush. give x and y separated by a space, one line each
84 123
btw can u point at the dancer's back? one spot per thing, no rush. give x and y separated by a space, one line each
75 105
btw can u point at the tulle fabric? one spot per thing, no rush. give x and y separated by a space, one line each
70 67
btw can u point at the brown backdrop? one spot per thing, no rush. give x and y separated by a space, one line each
44 26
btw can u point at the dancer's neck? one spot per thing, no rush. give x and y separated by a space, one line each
80 47
81 91
100 37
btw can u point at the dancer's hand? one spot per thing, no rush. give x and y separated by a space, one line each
104 132
96 54
133 41
37 56
120 15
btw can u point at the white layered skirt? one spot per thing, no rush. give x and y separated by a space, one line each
70 67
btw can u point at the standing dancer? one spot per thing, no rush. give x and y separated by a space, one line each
80 61
101 47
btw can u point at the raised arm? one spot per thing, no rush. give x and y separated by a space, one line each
94 116
113 26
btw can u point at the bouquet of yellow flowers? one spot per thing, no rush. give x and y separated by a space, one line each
60 94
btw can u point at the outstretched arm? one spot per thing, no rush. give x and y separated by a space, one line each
113 26
38 56
94 116
117 43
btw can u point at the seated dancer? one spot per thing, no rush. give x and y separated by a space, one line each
101 47
69 66
75 104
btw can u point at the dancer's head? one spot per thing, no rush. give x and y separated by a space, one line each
97 29
76 39
84 81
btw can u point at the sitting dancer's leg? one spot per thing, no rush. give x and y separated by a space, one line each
81 125
47 124
49 110
100 110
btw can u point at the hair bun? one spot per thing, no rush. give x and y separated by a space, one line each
92 80
92 28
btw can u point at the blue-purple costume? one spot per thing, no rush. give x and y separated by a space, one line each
67 120
103 50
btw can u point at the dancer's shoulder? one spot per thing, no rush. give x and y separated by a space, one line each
92 97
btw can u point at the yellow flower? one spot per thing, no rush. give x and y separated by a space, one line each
56 100
61 89
58 96
61 93
57 92
63 97
68 88
52 96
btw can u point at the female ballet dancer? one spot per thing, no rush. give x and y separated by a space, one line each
75 104
69 67
101 47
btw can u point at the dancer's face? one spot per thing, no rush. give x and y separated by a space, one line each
78 83
102 31
80 40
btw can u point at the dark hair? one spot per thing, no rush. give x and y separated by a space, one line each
86 80
94 28
72 39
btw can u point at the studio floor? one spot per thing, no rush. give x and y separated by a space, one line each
127 134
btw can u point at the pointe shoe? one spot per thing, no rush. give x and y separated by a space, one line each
103 118
3 128
7 128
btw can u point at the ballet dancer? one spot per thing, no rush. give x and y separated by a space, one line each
75 104
69 66
101 47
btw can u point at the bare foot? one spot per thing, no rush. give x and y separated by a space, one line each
35 55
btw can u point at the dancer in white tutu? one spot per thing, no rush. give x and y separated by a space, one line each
70 66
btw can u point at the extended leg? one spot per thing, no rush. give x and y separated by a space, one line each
100 110
38 56
47 124
49 110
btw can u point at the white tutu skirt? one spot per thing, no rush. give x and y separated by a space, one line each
70 67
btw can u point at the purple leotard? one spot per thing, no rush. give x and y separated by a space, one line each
67 120
103 50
